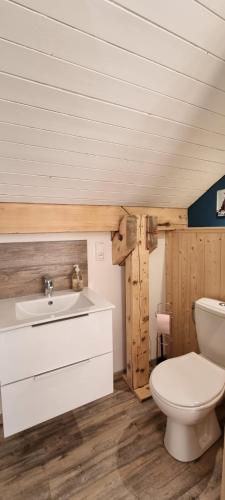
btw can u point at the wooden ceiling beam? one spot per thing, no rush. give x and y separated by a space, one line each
125 239
49 218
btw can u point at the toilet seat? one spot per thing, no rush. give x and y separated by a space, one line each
188 381
210 403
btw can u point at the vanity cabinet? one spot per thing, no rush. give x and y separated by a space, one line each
49 369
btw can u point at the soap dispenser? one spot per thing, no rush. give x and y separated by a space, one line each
77 280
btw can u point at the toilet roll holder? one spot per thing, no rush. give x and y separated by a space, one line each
163 339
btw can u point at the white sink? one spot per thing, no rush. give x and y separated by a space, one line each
57 304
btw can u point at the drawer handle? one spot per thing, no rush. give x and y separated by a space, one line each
58 370
58 320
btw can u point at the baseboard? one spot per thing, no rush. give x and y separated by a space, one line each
118 375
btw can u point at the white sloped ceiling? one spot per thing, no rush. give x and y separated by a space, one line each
111 102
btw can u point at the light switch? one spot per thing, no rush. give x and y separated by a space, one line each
99 250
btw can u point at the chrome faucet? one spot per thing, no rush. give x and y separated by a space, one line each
48 286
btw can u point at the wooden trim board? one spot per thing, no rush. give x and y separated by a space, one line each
16 218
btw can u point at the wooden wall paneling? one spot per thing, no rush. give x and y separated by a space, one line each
23 265
49 218
173 278
184 286
212 265
195 288
168 283
200 263
168 266
195 262
188 256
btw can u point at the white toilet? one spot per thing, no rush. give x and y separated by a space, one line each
188 388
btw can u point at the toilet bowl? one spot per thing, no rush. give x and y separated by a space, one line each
187 390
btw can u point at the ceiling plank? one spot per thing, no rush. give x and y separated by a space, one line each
23 26
69 105
46 121
153 175
66 144
183 19
38 67
106 20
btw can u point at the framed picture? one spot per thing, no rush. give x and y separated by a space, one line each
220 203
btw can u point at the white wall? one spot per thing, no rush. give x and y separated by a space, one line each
109 281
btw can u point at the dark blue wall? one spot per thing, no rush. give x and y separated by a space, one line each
203 211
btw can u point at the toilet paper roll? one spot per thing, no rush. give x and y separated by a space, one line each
163 323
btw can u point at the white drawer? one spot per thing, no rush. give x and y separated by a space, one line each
32 350
31 401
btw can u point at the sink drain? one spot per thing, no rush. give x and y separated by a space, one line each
50 302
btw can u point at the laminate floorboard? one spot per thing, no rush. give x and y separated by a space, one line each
111 449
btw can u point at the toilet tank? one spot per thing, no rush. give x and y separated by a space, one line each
210 327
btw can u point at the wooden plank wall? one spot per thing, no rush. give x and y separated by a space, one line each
195 267
23 265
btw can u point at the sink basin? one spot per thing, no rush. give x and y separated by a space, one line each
57 304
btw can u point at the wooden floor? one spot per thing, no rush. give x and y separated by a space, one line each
109 450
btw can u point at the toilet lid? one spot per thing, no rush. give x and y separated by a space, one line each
188 380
